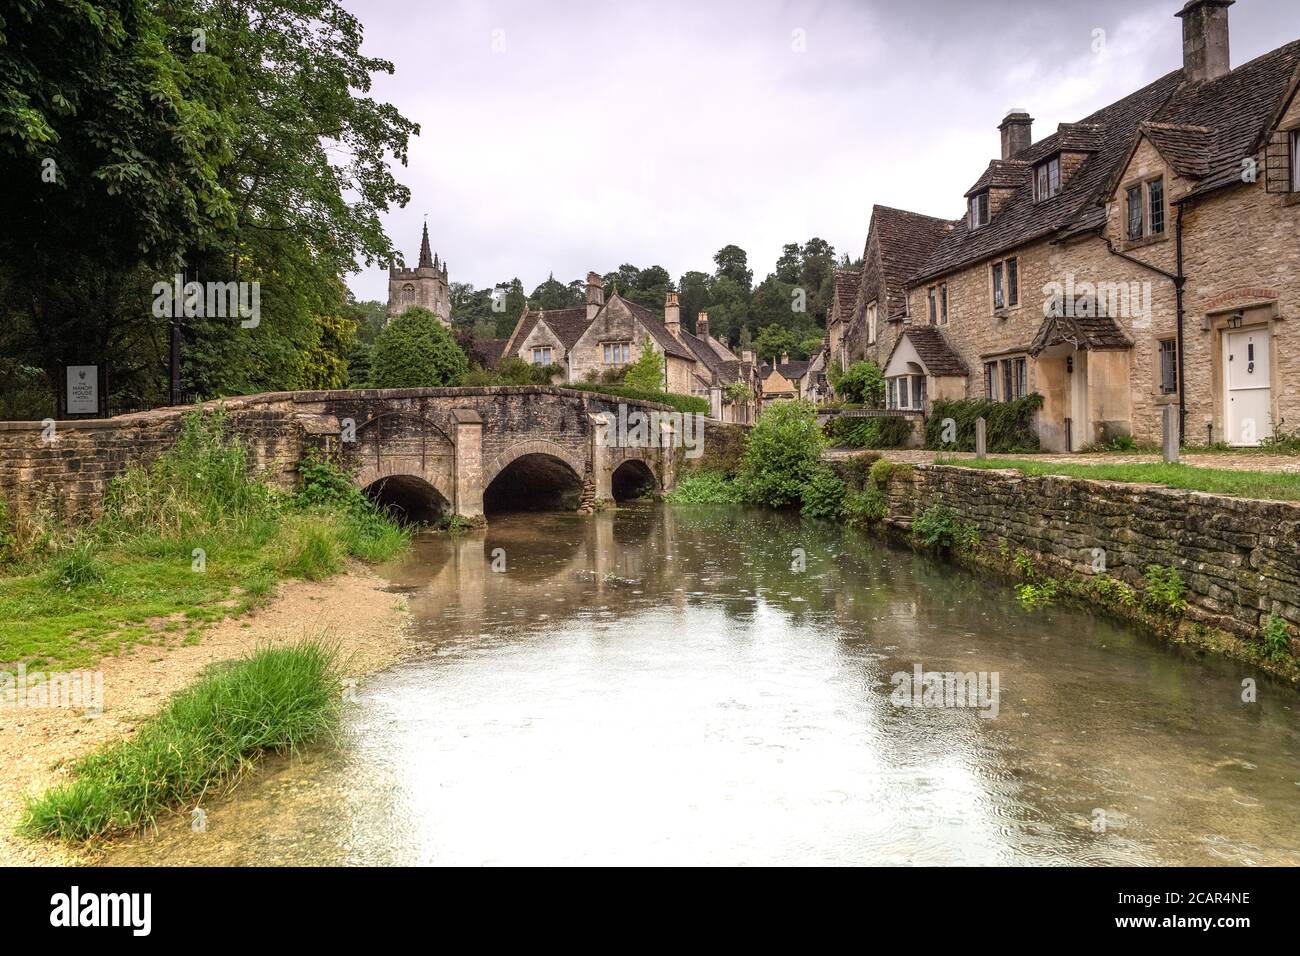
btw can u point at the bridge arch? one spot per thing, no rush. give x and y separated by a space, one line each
533 475
408 498
632 474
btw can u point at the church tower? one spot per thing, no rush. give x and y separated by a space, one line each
425 285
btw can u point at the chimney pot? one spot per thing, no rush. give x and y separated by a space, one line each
1205 39
1017 130
673 315
595 295
702 325
785 358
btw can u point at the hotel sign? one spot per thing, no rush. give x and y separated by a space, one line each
83 390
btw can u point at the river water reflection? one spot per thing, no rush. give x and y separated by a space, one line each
659 686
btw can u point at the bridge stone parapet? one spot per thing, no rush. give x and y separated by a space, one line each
457 441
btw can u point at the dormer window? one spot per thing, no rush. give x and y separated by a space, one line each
1145 206
1047 179
979 210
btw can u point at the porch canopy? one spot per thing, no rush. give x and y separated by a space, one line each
923 350
1083 330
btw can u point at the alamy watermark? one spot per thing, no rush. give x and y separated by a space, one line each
1081 300
220 300
946 689
653 429
76 690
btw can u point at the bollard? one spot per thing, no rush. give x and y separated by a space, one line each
981 444
1169 425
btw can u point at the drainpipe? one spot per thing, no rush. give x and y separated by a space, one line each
1179 280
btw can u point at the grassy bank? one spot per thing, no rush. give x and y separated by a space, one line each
181 544
274 700
1273 486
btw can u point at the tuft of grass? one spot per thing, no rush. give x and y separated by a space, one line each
314 550
704 488
1273 486
209 735
76 566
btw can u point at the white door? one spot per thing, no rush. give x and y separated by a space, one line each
1080 418
1249 398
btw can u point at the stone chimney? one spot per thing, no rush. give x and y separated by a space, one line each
785 358
1205 39
595 295
747 355
702 325
673 315
1017 132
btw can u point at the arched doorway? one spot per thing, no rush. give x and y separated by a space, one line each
408 498
534 482
631 479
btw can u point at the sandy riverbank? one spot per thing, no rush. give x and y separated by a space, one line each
353 609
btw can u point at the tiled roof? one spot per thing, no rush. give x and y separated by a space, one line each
556 319
1186 148
655 326
1020 219
1097 333
493 351
906 240
1080 137
935 352
1002 174
567 324
1238 107
846 290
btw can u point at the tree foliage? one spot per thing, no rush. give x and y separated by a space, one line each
647 372
415 350
784 449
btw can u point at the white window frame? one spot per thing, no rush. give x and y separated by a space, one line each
547 355
915 388
871 323
617 353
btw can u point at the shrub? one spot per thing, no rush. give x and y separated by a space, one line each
415 350
704 488
861 383
647 372
1036 595
859 431
1113 591
278 699
881 472
784 449
1024 565
855 470
1277 637
939 527
862 508
513 370
1009 426
822 495
1165 590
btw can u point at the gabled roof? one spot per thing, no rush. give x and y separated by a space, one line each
1095 333
655 326
1002 174
934 351
1184 147
560 321
845 291
906 240
1020 219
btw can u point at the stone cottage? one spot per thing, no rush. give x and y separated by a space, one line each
1145 256
606 336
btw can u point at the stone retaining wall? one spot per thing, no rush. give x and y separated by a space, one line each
1239 557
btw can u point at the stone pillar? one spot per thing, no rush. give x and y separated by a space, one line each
600 459
981 442
1169 433
468 470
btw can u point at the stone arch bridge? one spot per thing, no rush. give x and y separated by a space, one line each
425 449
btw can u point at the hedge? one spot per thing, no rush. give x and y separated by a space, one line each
683 403
860 431
1009 426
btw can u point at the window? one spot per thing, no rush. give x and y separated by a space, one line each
979 210
1168 366
906 392
1156 206
1047 179
1295 161
999 296
408 293
1135 212
1013 282
617 353
542 355
871 323
1020 374
904 399
943 303
932 297
991 380
1008 386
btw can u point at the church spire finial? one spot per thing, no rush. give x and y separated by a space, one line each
426 257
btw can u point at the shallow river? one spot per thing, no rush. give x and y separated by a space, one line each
664 685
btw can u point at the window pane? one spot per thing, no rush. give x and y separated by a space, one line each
991 379
931 296
903 398
943 303
1013 281
997 286
1008 388
1042 183
1135 213
1168 367
1054 177
920 391
1022 378
1156 194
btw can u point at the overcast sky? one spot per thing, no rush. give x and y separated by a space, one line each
569 136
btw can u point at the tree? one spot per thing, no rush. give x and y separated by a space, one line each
415 350
728 309
553 294
695 291
733 263
772 342
784 450
790 265
326 365
647 372
862 383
